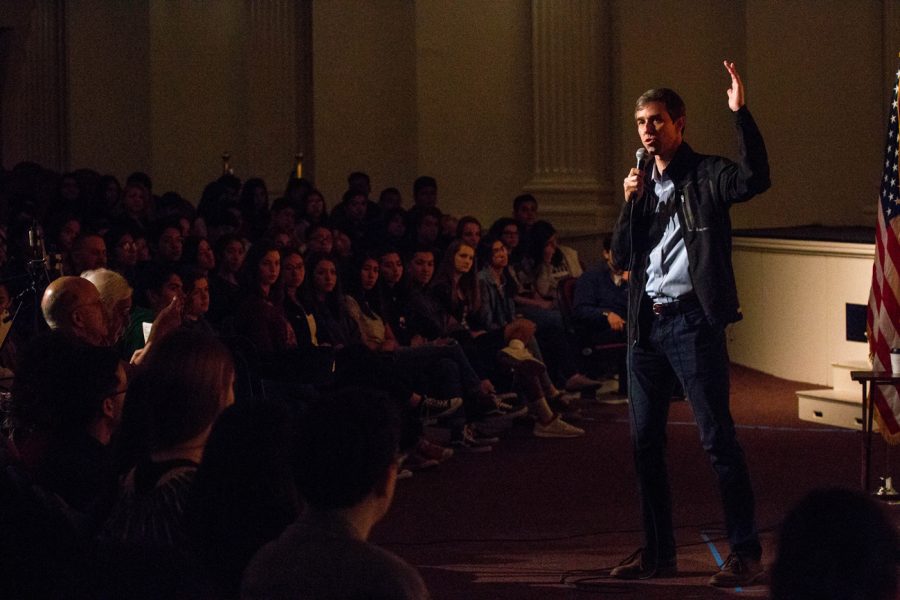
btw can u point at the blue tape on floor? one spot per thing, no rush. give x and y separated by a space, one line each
715 554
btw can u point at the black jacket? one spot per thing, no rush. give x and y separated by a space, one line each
705 189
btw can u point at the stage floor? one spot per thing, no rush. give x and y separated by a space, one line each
535 517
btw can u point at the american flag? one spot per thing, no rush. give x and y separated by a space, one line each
884 299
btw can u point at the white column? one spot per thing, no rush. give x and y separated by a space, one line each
570 50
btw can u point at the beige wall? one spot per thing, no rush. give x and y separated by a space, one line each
108 61
167 87
364 76
474 102
197 95
403 88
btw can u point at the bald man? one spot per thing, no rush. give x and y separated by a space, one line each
73 305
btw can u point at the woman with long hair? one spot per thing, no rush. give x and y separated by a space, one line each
169 412
546 264
325 299
259 316
498 290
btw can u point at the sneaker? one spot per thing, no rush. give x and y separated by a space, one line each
479 437
516 357
417 462
567 398
557 428
505 411
738 571
404 474
609 386
463 441
579 382
613 399
634 567
433 451
436 408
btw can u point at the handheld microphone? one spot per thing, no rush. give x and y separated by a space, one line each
640 156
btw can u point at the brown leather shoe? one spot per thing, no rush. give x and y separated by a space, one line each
738 571
635 567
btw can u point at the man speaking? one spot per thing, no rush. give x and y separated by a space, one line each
674 236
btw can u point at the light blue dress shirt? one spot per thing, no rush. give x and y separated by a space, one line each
668 276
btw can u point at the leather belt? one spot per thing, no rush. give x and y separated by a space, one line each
677 306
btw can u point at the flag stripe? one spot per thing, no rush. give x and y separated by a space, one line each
884 297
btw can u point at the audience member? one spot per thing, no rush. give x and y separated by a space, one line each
167 241
390 198
66 405
116 297
88 253
425 192
195 285
159 289
836 544
259 313
171 407
244 492
325 554
198 253
123 254
73 306
224 289
600 307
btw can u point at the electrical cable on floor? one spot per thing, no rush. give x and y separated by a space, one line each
595 579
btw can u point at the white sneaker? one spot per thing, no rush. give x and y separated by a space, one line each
557 428
519 359
609 386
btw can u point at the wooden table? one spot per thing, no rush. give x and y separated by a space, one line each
867 378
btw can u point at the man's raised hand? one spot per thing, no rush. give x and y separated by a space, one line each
736 91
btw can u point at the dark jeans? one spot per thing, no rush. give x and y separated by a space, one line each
446 364
686 347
